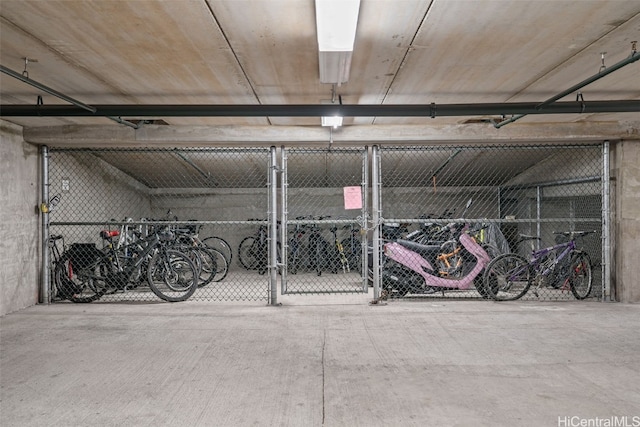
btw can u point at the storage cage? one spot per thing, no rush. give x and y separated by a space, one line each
312 221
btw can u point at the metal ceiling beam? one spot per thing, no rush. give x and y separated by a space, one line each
305 110
602 73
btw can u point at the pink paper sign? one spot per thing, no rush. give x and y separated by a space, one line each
352 198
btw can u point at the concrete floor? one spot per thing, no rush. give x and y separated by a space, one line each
321 360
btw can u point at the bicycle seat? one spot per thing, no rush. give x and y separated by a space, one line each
108 234
418 247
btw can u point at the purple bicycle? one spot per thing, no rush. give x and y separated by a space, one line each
509 276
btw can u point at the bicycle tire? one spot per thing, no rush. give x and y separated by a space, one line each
79 285
221 245
247 253
507 277
211 264
580 277
293 260
320 258
204 262
171 275
214 266
478 282
193 252
353 254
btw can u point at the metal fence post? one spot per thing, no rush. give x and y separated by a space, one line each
284 218
273 227
606 243
364 263
375 204
45 295
538 213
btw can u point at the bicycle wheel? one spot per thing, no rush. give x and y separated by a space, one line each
478 282
320 258
171 275
580 278
213 267
203 260
293 258
249 253
353 253
80 284
221 245
507 277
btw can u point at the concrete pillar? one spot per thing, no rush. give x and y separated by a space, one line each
627 220
19 198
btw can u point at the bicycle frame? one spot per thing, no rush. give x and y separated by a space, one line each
126 269
339 248
55 258
538 255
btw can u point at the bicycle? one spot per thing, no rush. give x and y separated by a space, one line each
213 242
219 244
318 248
353 247
338 254
56 255
509 276
295 247
211 263
253 251
85 273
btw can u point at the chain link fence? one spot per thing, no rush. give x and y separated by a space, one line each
112 199
420 198
323 211
510 197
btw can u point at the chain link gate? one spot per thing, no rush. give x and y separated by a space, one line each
110 200
502 193
323 227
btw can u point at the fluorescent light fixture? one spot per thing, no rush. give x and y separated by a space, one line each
334 121
336 22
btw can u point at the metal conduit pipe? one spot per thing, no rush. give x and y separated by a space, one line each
317 110
60 95
604 72
46 89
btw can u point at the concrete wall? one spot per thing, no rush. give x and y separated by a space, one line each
19 228
97 192
627 221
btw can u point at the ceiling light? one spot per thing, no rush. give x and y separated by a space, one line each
336 22
334 120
